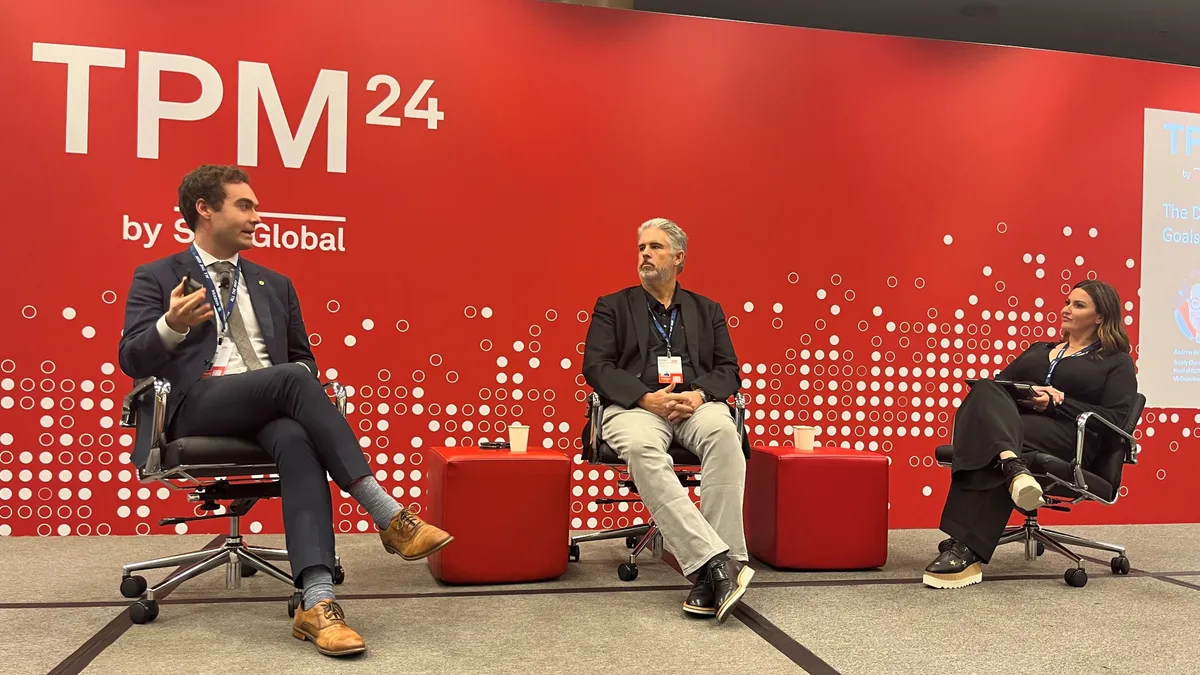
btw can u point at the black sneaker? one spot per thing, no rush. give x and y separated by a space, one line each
956 567
1025 490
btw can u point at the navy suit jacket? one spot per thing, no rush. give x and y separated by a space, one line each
143 354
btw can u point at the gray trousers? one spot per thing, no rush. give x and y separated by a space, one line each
692 535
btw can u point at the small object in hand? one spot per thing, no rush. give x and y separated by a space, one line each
190 285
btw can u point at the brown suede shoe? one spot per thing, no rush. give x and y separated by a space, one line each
325 625
412 538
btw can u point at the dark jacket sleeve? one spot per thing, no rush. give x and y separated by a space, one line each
298 348
1006 373
141 352
722 382
1116 399
600 355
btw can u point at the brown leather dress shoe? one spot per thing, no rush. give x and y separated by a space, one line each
412 538
325 625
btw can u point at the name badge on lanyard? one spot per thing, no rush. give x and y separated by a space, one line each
1061 352
670 368
220 361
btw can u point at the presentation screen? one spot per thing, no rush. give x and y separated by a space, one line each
1169 360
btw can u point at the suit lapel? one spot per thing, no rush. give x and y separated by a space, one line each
691 325
184 263
641 322
260 298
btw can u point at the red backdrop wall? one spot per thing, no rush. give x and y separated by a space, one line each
880 217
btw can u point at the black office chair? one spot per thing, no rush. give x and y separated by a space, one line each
687 467
215 469
1068 483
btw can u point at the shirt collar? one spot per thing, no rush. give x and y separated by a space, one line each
209 258
655 304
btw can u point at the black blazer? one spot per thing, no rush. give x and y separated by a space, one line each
618 340
143 354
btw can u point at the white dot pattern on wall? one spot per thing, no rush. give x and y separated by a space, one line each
879 366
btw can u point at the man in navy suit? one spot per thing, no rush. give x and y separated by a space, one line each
236 353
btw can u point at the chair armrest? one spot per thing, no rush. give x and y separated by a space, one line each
1104 426
1081 424
739 416
596 413
339 395
1087 417
129 417
129 405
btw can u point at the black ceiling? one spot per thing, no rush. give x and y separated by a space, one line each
1155 30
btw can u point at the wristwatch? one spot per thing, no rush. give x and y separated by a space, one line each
704 395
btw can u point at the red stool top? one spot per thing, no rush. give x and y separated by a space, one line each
471 453
819 451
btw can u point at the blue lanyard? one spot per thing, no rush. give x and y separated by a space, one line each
665 335
1054 362
223 313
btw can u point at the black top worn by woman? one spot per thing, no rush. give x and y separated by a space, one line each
1103 384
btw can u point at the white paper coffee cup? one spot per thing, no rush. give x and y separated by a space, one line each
806 437
518 437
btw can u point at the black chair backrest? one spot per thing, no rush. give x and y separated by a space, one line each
1109 462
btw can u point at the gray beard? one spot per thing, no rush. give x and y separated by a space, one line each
656 276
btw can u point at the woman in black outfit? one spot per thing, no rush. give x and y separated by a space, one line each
1088 369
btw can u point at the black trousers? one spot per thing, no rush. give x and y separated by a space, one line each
287 412
987 423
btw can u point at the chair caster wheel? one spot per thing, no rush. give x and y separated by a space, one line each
1041 549
631 542
143 611
573 553
1120 565
294 604
339 574
248 571
627 571
133 587
1076 576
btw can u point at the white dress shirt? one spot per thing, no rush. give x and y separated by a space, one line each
243 307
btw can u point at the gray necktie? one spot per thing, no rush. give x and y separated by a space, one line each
237 327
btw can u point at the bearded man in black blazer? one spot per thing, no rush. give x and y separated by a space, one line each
236 353
662 362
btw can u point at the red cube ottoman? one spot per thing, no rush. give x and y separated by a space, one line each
824 509
485 497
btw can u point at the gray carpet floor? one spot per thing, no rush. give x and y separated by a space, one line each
1022 618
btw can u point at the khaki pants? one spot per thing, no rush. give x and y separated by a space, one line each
692 535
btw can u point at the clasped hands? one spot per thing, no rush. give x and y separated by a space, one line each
1042 399
672 407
